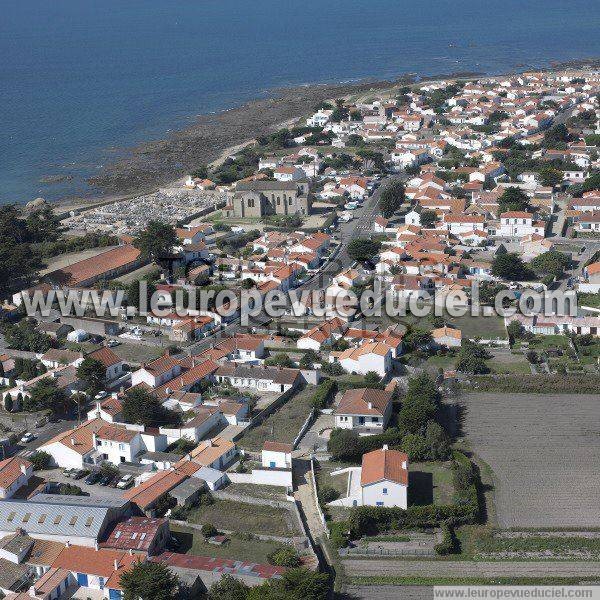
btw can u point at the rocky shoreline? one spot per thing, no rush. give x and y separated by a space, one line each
155 163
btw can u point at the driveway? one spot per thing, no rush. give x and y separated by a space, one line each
313 440
95 491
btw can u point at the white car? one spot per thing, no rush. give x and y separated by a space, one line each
113 343
125 482
27 437
100 395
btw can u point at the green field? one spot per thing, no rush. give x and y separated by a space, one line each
247 518
192 542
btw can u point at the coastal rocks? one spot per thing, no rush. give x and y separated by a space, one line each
159 162
50 179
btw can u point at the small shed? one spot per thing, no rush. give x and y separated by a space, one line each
188 491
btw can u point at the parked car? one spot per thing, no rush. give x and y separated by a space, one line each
113 343
125 482
27 437
92 478
68 472
101 395
105 480
79 473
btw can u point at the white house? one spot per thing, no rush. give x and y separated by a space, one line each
14 473
288 173
364 408
373 356
517 223
276 455
115 367
157 372
382 480
447 337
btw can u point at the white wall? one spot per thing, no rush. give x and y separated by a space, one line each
397 495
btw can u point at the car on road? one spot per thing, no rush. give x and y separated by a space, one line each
125 482
92 478
27 437
101 395
113 343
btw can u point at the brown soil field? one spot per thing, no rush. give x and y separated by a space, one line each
544 451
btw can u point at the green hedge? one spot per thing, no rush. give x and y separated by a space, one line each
326 390
449 543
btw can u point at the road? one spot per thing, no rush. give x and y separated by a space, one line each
462 568
43 435
360 226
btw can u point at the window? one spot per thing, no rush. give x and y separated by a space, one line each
121 446
385 491
122 459
290 200
379 503
26 517
272 464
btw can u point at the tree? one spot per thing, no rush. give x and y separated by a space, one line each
391 198
510 266
8 402
24 336
286 556
428 218
228 588
157 240
344 444
420 403
513 198
438 442
200 172
40 460
143 408
372 379
363 249
281 359
309 358
294 584
45 395
551 263
43 224
514 330
93 373
556 137
468 363
149 581
372 161
415 446
550 176
416 338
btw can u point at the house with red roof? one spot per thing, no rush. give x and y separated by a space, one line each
14 473
381 480
364 409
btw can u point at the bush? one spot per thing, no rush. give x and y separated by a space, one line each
325 392
209 530
449 543
285 556
328 494
338 533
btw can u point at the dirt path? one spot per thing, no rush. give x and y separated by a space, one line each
305 496
443 568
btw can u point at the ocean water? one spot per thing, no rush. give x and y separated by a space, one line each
81 79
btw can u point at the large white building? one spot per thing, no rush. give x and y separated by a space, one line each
517 223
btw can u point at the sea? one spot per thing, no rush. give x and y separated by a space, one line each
81 80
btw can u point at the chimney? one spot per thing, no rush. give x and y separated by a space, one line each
23 469
385 447
130 552
116 564
370 405
96 545
68 544
73 441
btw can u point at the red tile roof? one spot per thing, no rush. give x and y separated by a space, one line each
384 464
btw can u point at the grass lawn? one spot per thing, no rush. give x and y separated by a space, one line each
284 424
247 518
253 550
549 341
444 361
324 479
479 327
508 363
430 482
271 492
